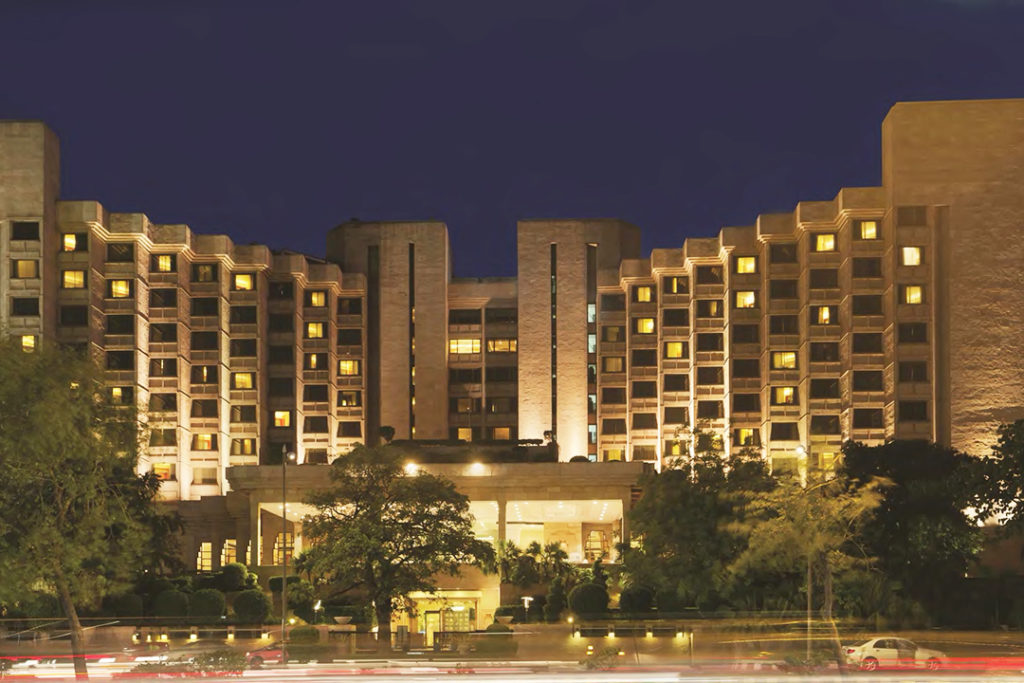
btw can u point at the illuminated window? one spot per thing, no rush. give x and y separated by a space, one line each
823 315
613 364
119 289
612 454
243 446
783 396
349 398
73 241
22 269
501 345
675 349
282 418
243 282
164 471
642 294
204 558
314 361
910 256
745 437
314 330
784 360
675 284
913 294
317 299
202 442
746 299
825 241
463 346
228 552
28 343
348 367
673 447
746 264
164 263
465 433
501 434
867 230
643 325
241 380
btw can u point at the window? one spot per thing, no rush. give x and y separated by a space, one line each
348 367
644 390
867 380
613 426
782 253
910 256
709 410
506 404
645 452
281 386
204 341
163 263
464 316
675 317
709 308
912 294
913 411
784 396
502 374
783 360
163 298
745 264
204 374
120 360
867 267
785 431
204 407
350 336
463 346
72 279
613 364
120 252
122 396
609 333
25 230
243 282
350 399
464 375
746 403
74 316
314 361
24 269
613 395
710 375
867 418
501 433
242 348
28 343
824 315
316 298
242 315
315 330
241 380
613 302
164 471
825 387
867 342
645 421
824 278
281 322
825 424
710 341
675 284
746 436
26 306
676 415
120 289
204 442
824 241
709 275
205 306
867 304
643 325
315 424
746 334
782 289
163 367
746 367
464 405
913 371
74 241
120 324
644 358
350 306
243 447
675 382
643 294
282 418
824 352
865 230
161 333
243 414
204 272
161 438
675 350
746 299
912 333
464 433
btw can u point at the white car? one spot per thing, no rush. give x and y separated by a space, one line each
889 652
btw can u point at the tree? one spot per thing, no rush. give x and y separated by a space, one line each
75 517
387 532
1003 486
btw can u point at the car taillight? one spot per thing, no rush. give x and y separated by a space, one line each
850 650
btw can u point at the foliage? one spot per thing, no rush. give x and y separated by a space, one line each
588 599
223 662
535 612
232 577
301 599
535 565
275 582
636 599
497 641
517 612
386 532
207 603
252 606
598 574
604 658
304 635
1003 487
123 605
556 600
171 603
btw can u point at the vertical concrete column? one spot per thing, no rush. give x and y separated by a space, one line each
256 533
502 519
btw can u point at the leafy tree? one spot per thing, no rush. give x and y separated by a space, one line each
232 577
385 532
75 517
598 574
556 600
1003 487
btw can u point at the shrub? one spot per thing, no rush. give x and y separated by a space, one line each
124 605
304 635
207 603
517 612
171 603
498 640
579 458
636 600
232 577
204 581
275 582
360 614
588 598
555 600
252 606
301 598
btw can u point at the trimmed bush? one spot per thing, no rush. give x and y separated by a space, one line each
252 606
579 458
275 582
124 605
232 577
588 598
498 640
517 612
555 601
207 603
304 635
171 603
636 600
669 600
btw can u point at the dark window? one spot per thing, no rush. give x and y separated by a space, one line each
825 424
163 367
204 374
827 387
163 403
709 410
709 308
913 411
350 336
464 316
824 352
867 304
676 382
911 215
746 334
913 371
867 342
644 452
352 305
204 272
824 278
120 324
867 380
710 375
244 413
206 306
280 355
675 284
501 373
867 266
783 324
204 341
282 386
120 360
644 357
204 407
25 230
281 322
504 316
746 367
243 315
163 437
613 302
675 317
286 290
315 392
616 426
912 333
710 341
782 289
350 429
645 389
645 421
867 418
74 316
746 403
785 431
315 424
782 253
676 416
465 375
709 275
163 332
25 306
163 298
120 252
245 348
613 395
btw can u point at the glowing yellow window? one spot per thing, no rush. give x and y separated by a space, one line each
243 282
120 289
314 330
744 437
785 395
242 380
746 299
318 299
910 256
501 345
164 263
164 471
784 360
25 268
463 346
348 367
824 316
674 349
282 418
202 442
312 362
746 264
72 279
465 433
204 558
869 230
116 394
70 242
824 241
613 364
913 294
613 454
643 294
502 434
28 343
644 325
674 448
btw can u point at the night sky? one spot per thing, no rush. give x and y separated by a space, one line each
275 123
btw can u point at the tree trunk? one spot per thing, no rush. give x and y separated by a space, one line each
383 626
827 614
77 634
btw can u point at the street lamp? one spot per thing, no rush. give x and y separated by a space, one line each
286 455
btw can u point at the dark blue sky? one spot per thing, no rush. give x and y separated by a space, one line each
273 123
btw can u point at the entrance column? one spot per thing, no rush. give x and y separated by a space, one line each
502 504
255 532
